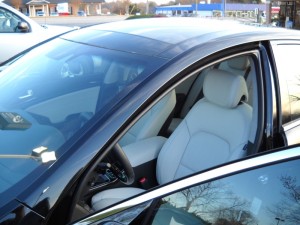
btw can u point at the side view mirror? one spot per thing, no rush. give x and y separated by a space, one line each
23 27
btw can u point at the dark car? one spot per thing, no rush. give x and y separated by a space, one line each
153 121
81 13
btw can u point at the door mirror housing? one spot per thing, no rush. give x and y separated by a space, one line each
23 27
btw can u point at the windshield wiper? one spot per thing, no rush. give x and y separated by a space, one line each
39 154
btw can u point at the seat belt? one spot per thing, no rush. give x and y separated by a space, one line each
247 72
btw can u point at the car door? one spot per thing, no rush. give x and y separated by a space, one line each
258 190
143 164
288 70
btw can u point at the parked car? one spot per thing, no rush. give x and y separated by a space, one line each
19 32
153 121
81 13
54 14
40 13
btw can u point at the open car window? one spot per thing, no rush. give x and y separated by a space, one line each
174 139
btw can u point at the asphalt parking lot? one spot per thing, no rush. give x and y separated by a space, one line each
80 21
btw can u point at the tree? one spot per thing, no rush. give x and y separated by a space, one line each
212 201
289 206
186 2
75 6
118 7
16 4
133 9
199 197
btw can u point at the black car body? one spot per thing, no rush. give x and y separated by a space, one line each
50 89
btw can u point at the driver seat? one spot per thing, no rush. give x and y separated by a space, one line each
215 131
151 123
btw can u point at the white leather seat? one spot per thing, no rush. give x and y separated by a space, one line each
238 65
151 123
215 131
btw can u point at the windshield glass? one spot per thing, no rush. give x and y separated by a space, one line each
48 95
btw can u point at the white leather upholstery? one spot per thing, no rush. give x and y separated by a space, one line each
150 124
190 100
193 94
214 131
144 150
237 65
225 91
242 65
111 196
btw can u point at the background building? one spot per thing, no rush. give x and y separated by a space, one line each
56 7
285 13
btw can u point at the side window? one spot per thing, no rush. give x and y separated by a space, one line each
287 62
8 21
268 195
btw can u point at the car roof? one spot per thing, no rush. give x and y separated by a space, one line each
171 30
168 37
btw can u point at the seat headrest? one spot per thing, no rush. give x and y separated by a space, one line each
239 63
224 89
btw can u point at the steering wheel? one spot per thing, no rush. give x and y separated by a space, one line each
126 177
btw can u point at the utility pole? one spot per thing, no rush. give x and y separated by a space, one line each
224 8
268 11
147 7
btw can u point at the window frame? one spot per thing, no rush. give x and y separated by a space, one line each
181 76
233 168
288 124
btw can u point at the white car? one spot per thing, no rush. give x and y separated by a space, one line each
18 32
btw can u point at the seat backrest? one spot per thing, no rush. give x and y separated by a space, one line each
238 66
151 122
215 130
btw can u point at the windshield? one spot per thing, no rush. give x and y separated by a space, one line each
50 93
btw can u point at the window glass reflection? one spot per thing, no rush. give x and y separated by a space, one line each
269 195
59 90
288 68
8 21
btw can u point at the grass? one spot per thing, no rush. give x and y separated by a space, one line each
144 16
